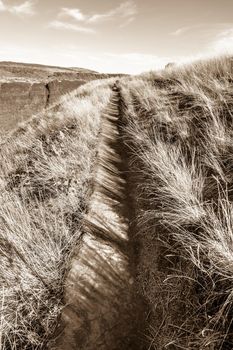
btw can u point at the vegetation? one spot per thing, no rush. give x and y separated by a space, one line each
45 182
178 130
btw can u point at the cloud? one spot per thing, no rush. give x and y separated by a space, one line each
207 29
2 6
24 9
223 42
69 17
70 26
125 11
74 13
199 26
180 31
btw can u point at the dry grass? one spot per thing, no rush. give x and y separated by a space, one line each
178 128
45 183
179 136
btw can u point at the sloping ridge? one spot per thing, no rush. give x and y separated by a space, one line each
102 310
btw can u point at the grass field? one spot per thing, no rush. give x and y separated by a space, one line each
176 126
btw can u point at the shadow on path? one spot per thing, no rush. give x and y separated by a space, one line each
102 309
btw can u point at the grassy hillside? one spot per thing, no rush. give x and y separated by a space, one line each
179 134
45 183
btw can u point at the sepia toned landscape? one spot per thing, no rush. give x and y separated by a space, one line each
116 184
27 89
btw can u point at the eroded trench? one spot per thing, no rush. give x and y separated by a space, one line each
102 307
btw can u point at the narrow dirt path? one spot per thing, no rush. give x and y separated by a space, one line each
102 310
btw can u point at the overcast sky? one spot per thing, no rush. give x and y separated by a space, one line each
128 36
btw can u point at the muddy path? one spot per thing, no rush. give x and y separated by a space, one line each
102 308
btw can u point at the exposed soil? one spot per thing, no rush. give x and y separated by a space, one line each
102 308
26 89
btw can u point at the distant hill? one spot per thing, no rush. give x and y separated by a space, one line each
22 71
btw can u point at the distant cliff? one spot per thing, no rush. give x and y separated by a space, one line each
26 89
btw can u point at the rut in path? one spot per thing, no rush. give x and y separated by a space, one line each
102 309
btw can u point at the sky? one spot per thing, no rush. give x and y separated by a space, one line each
115 36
